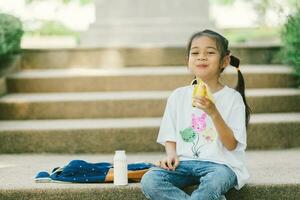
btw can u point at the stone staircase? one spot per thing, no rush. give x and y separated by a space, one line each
53 115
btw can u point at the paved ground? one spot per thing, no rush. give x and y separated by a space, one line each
18 171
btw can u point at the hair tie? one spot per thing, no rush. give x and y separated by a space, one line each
234 61
194 81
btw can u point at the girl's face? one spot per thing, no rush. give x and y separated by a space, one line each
204 58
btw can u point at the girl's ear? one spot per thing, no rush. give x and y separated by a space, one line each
226 61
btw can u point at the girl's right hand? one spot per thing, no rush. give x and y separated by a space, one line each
169 163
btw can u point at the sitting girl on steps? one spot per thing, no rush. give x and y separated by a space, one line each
204 135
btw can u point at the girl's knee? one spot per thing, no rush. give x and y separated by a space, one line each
151 179
220 180
226 175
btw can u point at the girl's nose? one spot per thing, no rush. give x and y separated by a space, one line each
202 56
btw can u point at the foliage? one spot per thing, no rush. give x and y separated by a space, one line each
82 2
262 6
242 35
10 35
50 28
222 2
291 42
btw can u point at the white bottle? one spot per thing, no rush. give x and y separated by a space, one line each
120 168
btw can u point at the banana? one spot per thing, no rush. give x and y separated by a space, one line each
201 90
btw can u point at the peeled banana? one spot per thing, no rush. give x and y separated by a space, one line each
201 90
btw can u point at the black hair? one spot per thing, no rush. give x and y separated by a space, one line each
222 45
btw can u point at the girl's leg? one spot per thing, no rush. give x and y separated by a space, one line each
161 184
215 181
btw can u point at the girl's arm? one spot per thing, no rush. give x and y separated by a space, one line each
171 161
225 133
170 148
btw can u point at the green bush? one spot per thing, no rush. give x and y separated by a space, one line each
10 35
53 28
50 28
291 42
244 35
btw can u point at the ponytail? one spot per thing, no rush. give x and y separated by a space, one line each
240 87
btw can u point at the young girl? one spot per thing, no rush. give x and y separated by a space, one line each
204 138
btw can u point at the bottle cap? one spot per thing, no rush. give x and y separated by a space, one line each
120 151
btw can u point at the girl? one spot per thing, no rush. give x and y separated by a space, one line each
204 138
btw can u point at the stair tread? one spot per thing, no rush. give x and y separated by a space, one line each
127 95
137 71
74 124
271 167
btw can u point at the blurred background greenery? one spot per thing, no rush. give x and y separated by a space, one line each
10 35
56 27
259 30
259 21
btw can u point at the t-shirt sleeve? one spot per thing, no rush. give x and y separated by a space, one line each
167 130
237 123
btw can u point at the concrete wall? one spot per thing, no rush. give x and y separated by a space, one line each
144 22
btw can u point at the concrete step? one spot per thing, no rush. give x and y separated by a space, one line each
134 56
266 131
125 104
275 175
139 78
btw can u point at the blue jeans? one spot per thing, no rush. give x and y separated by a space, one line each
213 179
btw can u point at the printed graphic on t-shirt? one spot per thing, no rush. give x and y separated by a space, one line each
198 134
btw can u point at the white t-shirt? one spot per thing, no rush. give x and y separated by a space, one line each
195 134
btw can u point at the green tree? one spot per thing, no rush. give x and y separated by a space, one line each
10 35
82 2
291 42
262 6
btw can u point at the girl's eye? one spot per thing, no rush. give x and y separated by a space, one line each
211 52
194 53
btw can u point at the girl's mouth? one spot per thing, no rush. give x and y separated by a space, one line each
202 66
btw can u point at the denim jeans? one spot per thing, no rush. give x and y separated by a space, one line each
213 179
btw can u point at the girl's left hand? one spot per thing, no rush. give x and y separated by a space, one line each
205 104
